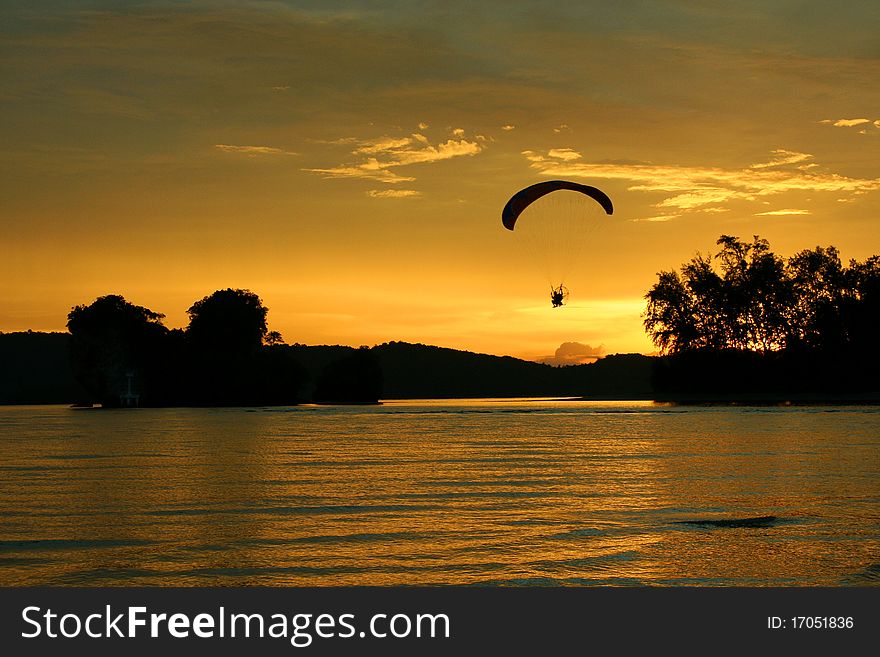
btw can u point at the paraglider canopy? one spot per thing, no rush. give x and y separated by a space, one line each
525 197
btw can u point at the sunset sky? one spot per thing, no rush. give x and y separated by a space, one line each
349 161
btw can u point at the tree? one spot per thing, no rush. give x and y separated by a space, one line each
747 319
228 322
235 359
741 305
755 295
273 338
114 341
670 318
820 287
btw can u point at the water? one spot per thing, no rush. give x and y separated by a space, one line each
524 492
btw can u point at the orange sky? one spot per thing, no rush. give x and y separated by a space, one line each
350 164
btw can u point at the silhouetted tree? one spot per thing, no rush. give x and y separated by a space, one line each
228 322
273 338
745 304
671 318
113 340
229 364
808 318
821 291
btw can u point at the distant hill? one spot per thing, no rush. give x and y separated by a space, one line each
421 371
34 369
418 371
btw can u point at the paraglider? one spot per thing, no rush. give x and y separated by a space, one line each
558 295
556 223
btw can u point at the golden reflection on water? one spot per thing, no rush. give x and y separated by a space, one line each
439 492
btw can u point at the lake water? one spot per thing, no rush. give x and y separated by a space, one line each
506 492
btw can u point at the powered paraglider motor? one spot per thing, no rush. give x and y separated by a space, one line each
558 295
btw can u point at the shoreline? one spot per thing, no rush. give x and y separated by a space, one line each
682 399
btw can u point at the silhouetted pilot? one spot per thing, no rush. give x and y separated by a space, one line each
556 298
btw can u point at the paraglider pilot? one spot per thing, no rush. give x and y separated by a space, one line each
557 296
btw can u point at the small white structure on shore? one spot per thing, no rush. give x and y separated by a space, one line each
129 399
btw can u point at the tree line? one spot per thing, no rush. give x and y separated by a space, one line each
747 318
742 320
123 354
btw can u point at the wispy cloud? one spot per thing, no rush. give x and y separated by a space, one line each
385 153
383 144
699 197
444 151
845 123
659 218
566 154
372 169
782 157
781 213
393 193
340 141
508 127
698 188
252 150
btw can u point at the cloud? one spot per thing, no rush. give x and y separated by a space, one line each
695 188
566 154
369 170
423 126
781 213
574 353
384 144
508 127
341 141
393 193
782 157
659 218
561 128
385 153
868 126
448 149
845 123
700 197
458 132
252 151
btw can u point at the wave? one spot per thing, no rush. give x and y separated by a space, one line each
755 521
